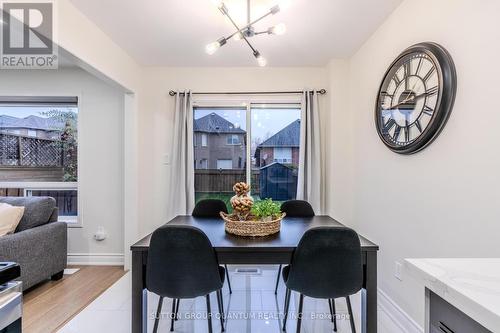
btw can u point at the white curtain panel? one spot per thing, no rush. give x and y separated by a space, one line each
182 165
309 178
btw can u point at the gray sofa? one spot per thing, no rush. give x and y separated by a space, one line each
39 243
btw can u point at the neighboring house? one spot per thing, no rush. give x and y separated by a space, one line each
282 147
31 126
218 143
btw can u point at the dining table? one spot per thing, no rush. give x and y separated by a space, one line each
268 250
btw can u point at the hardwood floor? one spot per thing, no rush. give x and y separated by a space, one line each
50 305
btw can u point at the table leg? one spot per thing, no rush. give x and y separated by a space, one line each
369 295
139 296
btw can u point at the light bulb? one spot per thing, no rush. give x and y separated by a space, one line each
278 29
212 47
262 61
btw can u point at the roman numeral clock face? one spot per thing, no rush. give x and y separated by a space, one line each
414 103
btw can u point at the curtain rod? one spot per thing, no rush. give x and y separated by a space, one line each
321 92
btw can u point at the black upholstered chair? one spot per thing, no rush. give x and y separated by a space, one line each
326 264
182 264
294 208
210 208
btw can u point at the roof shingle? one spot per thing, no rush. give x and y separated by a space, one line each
287 137
213 123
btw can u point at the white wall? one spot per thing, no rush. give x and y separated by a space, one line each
100 151
156 119
443 201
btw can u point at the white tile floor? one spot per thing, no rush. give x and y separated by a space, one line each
252 307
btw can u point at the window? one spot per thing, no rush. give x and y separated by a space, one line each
274 136
282 155
39 149
66 201
204 140
233 139
224 164
203 164
212 178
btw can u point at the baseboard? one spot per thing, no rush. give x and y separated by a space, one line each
97 259
399 317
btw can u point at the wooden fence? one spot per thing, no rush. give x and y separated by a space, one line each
11 192
17 150
222 181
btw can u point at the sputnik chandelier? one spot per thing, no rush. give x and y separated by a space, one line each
246 32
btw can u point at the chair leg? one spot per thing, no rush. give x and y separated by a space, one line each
287 305
221 309
334 314
351 317
228 282
277 281
173 315
209 314
177 309
299 315
158 314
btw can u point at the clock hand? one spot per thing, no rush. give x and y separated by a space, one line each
408 99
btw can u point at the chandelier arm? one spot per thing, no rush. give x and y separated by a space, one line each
248 11
244 37
249 25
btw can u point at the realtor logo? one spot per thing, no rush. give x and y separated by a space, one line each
27 35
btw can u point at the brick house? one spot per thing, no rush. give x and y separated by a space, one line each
282 147
218 143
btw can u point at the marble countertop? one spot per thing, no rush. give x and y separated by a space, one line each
471 285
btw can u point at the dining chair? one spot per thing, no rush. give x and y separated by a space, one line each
294 208
210 208
326 264
182 264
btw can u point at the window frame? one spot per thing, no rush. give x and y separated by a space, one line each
70 220
224 160
248 102
204 143
230 140
283 160
52 99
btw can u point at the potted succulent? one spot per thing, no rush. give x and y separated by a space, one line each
266 210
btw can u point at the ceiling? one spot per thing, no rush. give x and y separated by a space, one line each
175 32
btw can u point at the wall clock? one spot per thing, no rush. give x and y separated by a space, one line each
415 98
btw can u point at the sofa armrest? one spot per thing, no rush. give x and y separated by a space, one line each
55 215
41 251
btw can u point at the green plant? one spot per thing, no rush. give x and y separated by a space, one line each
68 140
266 208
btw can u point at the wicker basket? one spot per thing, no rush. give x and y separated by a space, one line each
251 228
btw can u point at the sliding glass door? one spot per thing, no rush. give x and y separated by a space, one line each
257 143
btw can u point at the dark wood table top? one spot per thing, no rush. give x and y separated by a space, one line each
292 229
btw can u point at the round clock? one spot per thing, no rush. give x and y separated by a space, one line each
415 98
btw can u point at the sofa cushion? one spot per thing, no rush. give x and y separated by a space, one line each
10 216
37 210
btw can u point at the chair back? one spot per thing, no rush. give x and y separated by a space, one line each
327 263
209 208
297 208
181 263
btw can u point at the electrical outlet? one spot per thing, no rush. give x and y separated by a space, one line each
397 271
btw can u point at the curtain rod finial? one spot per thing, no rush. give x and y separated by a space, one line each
172 93
322 91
